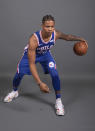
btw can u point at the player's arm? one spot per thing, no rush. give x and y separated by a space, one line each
67 37
31 56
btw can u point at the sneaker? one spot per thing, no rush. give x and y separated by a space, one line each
11 96
59 107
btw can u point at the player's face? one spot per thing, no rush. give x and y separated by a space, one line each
48 26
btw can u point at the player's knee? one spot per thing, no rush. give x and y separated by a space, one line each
53 71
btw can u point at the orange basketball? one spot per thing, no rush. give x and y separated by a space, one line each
80 48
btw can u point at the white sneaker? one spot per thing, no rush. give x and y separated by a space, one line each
10 96
59 107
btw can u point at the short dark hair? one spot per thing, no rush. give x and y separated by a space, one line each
47 18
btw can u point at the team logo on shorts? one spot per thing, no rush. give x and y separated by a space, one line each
51 64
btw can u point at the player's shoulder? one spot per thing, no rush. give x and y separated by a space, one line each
33 37
57 34
33 41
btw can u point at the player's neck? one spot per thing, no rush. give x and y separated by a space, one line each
45 35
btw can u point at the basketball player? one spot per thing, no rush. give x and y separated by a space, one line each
38 50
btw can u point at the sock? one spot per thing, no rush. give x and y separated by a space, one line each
58 96
15 88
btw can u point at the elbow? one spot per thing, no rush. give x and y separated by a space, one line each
68 38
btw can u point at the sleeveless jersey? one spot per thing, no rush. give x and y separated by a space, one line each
43 47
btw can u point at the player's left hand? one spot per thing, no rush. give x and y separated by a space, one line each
84 41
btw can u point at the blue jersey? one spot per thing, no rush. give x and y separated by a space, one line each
43 47
43 55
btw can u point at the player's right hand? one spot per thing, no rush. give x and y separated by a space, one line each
44 88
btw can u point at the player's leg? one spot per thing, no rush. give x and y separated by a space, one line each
55 78
16 82
56 85
22 68
49 66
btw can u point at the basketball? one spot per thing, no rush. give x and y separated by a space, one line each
80 48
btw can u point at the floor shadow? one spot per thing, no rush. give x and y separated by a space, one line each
73 91
14 106
37 98
5 86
